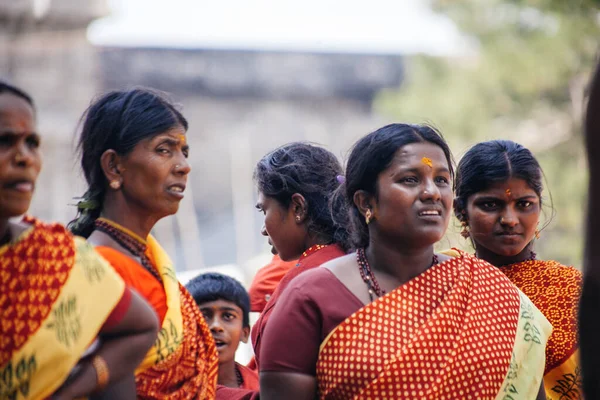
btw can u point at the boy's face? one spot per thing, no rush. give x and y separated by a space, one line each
226 322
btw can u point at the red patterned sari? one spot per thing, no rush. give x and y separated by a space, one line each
555 289
460 330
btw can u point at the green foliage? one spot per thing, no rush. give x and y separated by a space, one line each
523 78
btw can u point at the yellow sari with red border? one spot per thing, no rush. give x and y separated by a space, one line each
460 330
56 293
555 290
183 362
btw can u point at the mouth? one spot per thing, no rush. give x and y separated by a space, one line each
176 190
21 186
430 214
220 344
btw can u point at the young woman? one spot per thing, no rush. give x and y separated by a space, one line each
57 338
498 201
134 156
296 183
395 320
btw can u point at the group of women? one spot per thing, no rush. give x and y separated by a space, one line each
370 311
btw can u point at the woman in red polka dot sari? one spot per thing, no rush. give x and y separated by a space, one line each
395 320
498 201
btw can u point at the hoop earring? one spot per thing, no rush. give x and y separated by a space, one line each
115 185
465 230
368 216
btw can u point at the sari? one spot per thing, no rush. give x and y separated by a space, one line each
183 362
461 330
50 308
555 290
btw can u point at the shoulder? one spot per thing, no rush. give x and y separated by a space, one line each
312 280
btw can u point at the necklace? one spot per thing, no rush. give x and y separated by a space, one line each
369 278
309 251
129 241
238 375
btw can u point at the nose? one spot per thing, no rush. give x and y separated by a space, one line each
215 325
182 167
23 155
509 217
263 230
430 191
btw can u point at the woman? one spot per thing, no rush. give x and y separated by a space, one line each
295 184
396 320
50 286
498 201
134 158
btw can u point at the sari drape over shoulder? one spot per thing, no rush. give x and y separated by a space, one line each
183 362
56 293
460 330
555 290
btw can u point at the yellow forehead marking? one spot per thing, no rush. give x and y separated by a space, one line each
182 138
427 161
508 193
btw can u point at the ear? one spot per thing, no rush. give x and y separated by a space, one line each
363 201
245 334
110 163
299 207
459 211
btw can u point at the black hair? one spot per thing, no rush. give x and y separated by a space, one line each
313 172
373 154
213 286
494 161
117 120
8 88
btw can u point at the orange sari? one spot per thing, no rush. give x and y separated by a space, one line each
555 289
460 330
183 363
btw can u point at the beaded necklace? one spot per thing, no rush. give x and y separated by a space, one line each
369 278
238 375
309 251
129 241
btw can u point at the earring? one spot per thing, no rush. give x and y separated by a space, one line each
297 218
465 230
537 233
368 216
115 185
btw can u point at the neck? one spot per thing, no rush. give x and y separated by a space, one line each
227 376
401 264
4 231
121 212
313 240
500 260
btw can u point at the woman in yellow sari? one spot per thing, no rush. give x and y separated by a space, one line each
134 158
395 320
58 338
498 201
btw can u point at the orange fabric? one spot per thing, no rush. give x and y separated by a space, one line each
136 277
266 280
32 273
449 333
249 377
555 290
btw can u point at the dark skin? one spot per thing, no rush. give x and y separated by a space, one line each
589 324
502 221
225 320
410 214
286 227
124 345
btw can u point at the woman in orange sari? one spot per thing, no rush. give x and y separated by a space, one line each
134 158
395 320
57 338
498 201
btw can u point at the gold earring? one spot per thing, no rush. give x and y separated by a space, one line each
115 185
368 216
465 230
297 218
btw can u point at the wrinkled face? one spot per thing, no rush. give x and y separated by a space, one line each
414 196
155 173
226 322
286 236
503 218
20 158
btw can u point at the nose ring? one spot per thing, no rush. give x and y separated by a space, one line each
501 220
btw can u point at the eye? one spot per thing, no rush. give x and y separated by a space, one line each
525 204
490 205
409 180
33 141
163 150
442 180
186 153
228 316
6 140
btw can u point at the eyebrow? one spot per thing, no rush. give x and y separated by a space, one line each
419 169
9 132
221 309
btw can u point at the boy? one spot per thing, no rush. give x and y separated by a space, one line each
225 305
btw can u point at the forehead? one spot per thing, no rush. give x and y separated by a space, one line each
412 155
518 188
15 112
220 304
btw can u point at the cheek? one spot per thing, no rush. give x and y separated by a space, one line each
481 222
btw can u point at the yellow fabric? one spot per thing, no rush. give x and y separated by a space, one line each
533 331
87 298
171 333
564 381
